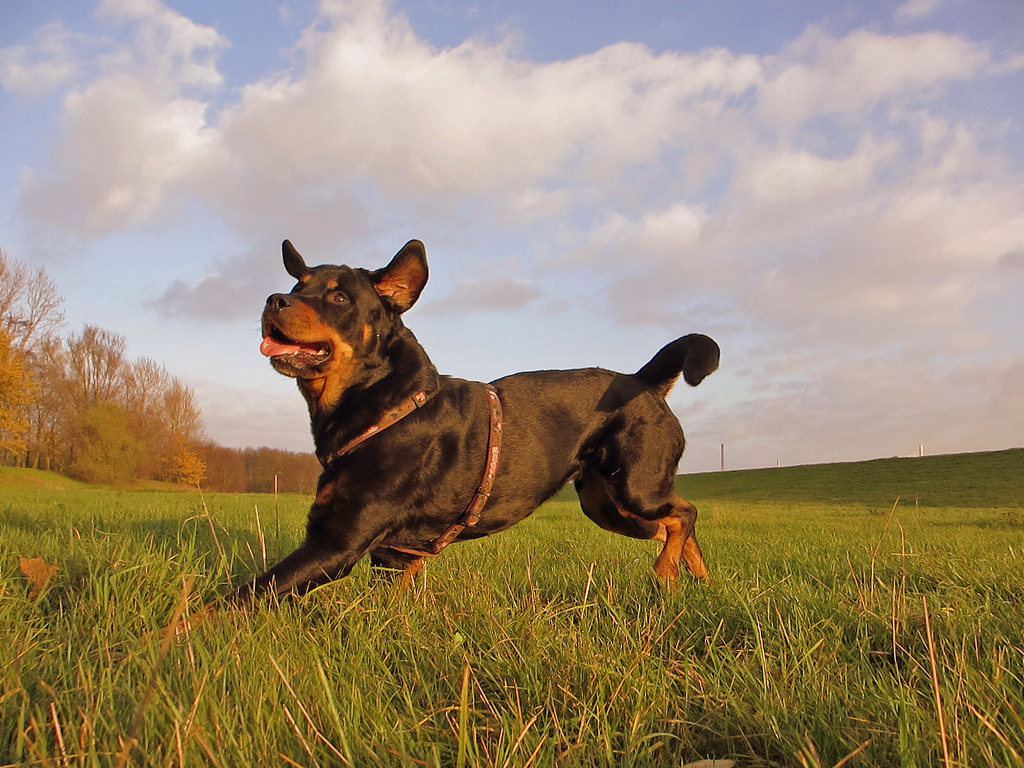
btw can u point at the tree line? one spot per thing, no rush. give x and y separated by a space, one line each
74 403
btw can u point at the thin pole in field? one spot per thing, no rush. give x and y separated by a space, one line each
277 524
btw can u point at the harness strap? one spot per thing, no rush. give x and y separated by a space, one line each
396 414
472 514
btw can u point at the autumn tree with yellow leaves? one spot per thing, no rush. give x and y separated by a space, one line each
77 404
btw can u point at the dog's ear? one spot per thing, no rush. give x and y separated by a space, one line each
404 278
293 262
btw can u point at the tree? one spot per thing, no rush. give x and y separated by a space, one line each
94 368
29 304
106 450
184 419
81 373
17 390
30 317
186 466
91 403
225 470
145 382
295 472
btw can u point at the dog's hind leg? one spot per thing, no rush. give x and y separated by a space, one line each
641 493
680 543
675 529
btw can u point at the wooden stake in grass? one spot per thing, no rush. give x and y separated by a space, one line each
263 543
277 525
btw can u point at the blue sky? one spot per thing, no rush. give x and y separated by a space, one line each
834 191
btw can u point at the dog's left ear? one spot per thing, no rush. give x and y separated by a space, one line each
404 278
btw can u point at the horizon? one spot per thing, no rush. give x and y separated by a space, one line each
853 461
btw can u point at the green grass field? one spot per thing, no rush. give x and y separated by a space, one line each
838 630
992 479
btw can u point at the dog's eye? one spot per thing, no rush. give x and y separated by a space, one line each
337 297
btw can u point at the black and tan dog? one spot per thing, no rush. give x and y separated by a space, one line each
413 460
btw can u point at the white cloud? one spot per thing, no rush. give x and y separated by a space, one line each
132 135
165 48
819 75
156 143
663 234
42 66
498 294
373 100
912 10
777 177
371 103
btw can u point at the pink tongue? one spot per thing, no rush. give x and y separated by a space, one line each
272 348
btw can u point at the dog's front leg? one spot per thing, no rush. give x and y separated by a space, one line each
307 567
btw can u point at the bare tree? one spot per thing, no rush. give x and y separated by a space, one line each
30 317
185 424
145 382
29 304
95 366
183 415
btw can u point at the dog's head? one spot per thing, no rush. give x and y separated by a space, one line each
335 319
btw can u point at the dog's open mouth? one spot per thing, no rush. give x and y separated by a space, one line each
276 345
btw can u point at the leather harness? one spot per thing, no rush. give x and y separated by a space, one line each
472 514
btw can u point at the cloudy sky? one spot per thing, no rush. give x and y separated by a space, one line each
834 191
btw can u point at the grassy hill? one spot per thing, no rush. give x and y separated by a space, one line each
972 480
37 478
18 477
990 479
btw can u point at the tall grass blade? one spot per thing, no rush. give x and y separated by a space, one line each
169 633
936 687
463 753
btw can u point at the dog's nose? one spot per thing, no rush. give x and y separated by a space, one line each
277 301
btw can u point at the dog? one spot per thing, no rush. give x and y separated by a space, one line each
413 460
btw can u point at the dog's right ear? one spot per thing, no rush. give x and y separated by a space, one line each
293 262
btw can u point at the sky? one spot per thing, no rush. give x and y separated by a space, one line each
833 191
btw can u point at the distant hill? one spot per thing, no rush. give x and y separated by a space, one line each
990 479
37 478
17 477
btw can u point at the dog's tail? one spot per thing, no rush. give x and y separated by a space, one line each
695 356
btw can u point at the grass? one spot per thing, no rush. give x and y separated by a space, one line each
991 479
833 633
36 478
